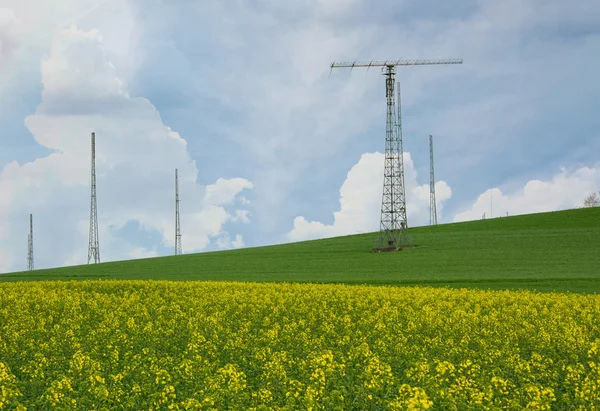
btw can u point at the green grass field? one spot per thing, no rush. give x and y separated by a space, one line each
549 251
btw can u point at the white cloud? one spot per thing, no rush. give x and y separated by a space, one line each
8 36
238 242
136 155
244 201
242 215
225 191
360 201
27 27
141 252
566 189
284 113
92 77
293 116
226 243
77 258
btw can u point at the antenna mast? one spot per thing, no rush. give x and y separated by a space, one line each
393 223
30 244
177 223
93 248
432 206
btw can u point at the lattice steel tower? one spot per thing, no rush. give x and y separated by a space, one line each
432 206
30 244
177 222
94 246
393 223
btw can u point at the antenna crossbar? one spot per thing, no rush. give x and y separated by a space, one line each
392 63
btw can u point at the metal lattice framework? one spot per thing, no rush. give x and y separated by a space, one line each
30 244
393 223
177 222
432 206
94 246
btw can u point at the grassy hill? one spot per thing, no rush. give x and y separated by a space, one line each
549 251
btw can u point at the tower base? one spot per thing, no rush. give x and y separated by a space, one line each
402 242
384 250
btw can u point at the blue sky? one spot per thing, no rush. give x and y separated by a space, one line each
271 147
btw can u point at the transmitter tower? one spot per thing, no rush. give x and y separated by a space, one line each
432 206
177 222
30 244
393 229
94 247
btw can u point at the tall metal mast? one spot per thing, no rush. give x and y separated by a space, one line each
94 247
432 206
393 208
30 244
177 222
402 238
393 223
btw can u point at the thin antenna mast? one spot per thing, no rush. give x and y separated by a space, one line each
491 204
432 205
397 230
93 248
177 222
393 223
30 244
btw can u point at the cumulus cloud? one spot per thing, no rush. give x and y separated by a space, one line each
224 191
288 125
242 216
566 189
79 72
136 155
225 242
141 252
360 201
8 36
292 117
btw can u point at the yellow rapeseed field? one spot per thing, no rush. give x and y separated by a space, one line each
144 345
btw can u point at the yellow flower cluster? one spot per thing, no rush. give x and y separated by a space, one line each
158 345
